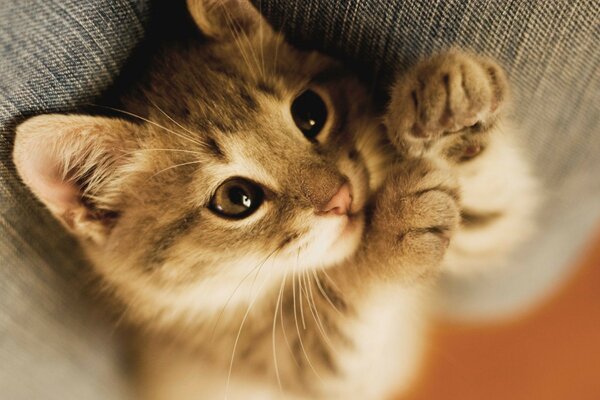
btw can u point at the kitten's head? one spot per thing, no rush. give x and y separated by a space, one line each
250 160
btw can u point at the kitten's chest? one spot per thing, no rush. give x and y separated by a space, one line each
310 349
387 333
315 346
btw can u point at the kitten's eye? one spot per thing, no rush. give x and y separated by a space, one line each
237 198
310 113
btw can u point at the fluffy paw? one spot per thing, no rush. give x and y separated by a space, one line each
444 94
415 213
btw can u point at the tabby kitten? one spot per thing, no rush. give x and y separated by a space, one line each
265 228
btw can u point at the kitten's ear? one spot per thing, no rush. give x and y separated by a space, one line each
221 19
73 163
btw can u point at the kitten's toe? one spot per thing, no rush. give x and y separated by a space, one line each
476 88
445 94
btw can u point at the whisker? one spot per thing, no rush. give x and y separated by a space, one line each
315 313
301 290
279 40
296 318
174 150
285 337
244 35
254 55
175 122
276 53
261 38
323 293
237 338
176 166
236 31
335 286
178 134
294 296
305 291
129 153
277 305
258 266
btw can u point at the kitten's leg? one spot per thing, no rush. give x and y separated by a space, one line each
449 109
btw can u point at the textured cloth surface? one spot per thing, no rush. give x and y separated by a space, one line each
54 55
551 52
58 54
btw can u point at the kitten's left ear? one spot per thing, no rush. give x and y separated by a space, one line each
74 164
221 19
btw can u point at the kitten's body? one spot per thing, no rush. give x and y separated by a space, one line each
297 300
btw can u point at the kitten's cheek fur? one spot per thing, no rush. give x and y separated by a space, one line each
359 181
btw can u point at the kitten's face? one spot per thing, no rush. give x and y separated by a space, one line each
254 161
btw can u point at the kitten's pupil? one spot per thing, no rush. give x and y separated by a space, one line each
237 198
310 113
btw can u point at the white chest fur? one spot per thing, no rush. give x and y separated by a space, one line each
389 338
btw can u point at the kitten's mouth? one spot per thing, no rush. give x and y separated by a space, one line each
350 225
349 233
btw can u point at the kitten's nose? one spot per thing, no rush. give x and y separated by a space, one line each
340 202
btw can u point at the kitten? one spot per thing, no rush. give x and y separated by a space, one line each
266 228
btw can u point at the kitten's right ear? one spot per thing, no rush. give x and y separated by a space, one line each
73 163
221 19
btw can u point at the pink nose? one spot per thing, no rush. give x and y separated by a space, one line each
340 203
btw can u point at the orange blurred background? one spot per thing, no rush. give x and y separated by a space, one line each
552 353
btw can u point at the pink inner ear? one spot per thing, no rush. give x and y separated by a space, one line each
44 176
48 146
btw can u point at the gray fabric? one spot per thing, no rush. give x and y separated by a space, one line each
54 55
550 50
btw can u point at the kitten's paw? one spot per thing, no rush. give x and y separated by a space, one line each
415 214
444 94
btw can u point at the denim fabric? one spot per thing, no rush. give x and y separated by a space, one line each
54 56
551 52
58 54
